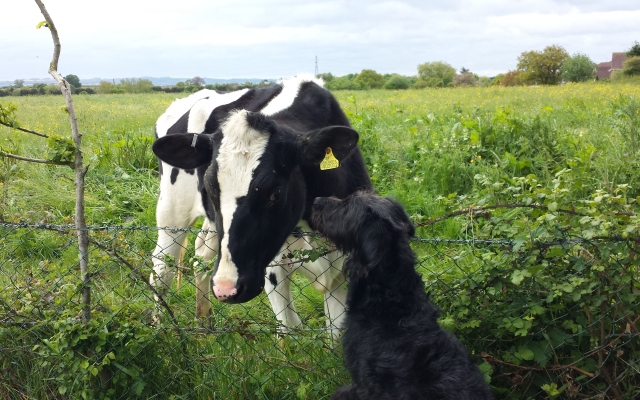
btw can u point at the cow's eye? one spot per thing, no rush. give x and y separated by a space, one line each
275 195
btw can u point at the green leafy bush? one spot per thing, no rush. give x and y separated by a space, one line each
104 358
554 311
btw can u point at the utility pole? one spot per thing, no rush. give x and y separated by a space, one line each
316 66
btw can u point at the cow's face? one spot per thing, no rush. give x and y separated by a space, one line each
256 186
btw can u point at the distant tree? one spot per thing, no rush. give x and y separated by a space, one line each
421 84
578 68
52 89
435 74
496 80
511 78
631 66
463 70
542 67
634 51
73 80
18 83
134 85
326 76
40 87
106 87
484 81
397 82
346 82
197 81
369 79
465 79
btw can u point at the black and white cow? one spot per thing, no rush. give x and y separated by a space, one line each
254 174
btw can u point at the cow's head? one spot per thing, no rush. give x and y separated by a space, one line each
256 186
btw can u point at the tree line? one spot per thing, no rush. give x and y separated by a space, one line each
126 85
551 66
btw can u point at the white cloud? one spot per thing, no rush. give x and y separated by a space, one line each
274 38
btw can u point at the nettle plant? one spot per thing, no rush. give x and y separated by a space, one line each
554 310
102 360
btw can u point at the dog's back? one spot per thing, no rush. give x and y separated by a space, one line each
393 345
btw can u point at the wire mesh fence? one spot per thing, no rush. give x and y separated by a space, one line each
542 320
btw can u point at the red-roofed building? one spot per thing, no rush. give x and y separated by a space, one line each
607 69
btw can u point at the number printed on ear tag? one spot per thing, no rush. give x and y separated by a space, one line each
330 161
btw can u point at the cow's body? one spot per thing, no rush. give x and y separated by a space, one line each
225 174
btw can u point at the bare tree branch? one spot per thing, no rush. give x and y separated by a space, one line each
25 130
35 160
486 208
80 170
517 205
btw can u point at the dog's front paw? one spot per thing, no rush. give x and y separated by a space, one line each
345 393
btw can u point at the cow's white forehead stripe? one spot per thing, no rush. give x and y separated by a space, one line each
240 151
226 267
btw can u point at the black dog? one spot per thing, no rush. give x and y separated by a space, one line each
393 345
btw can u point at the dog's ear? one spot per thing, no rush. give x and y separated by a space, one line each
393 213
373 249
399 218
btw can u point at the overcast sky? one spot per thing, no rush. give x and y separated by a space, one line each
279 38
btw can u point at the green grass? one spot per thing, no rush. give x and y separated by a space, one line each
418 144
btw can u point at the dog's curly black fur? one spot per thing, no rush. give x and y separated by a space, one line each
393 345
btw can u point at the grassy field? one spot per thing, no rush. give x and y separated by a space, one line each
435 150
418 144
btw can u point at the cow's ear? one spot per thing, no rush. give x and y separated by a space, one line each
312 146
184 150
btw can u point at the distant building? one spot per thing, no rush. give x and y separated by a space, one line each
607 69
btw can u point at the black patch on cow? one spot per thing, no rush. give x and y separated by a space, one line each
260 123
315 107
190 171
174 175
253 100
206 203
180 126
272 279
159 161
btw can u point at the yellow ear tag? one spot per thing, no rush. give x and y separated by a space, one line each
330 161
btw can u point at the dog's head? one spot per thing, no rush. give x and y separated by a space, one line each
365 225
